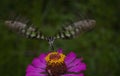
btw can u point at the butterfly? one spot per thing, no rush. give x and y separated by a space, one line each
67 32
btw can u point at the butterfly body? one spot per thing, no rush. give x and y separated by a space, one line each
67 32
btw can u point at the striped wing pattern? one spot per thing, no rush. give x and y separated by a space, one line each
75 29
29 31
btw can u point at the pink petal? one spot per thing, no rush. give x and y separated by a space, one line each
74 63
42 58
70 57
31 69
32 74
59 50
78 68
37 63
74 74
35 74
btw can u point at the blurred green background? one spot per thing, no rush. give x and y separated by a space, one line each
100 47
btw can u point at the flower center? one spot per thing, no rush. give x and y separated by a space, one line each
55 64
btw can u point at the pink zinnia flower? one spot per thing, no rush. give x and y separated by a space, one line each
56 64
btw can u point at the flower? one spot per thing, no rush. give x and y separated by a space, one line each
56 64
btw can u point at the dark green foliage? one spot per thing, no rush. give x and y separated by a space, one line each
100 47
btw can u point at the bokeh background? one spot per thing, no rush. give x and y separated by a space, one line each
100 47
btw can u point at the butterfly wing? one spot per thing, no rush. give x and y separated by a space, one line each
75 29
29 31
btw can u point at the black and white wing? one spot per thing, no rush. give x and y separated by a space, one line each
29 31
75 29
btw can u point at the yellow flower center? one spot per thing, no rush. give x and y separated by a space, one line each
55 64
55 57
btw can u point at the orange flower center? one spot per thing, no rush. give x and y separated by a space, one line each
55 57
55 64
